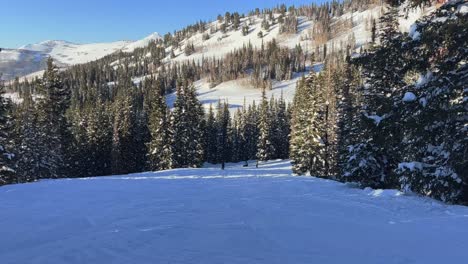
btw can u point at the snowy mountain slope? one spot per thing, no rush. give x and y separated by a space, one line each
220 43
236 92
31 58
240 215
20 62
141 43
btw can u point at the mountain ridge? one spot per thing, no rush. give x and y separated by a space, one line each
30 58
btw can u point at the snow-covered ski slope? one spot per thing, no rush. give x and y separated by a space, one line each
240 215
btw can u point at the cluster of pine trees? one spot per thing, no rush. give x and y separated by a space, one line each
397 116
151 59
393 116
55 133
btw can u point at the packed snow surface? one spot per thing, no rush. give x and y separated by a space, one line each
240 215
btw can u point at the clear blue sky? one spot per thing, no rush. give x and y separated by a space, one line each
86 21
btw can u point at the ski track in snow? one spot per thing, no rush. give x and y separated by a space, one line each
240 215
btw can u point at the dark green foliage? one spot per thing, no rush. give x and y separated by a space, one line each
306 143
223 119
187 141
159 146
434 159
374 156
53 134
7 172
265 148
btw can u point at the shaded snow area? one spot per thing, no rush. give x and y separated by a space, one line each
240 215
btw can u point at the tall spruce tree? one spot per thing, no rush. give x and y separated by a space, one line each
53 127
348 115
159 147
222 135
306 145
265 147
123 158
375 155
434 108
281 130
187 128
7 172
26 139
211 136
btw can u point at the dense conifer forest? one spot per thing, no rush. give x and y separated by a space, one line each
392 114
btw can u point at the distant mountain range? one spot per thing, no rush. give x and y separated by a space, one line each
32 58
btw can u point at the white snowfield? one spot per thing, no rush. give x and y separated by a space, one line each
29 61
240 215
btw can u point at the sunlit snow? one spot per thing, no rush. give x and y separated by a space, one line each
240 215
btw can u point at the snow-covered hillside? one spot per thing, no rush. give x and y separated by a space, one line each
240 91
240 215
31 58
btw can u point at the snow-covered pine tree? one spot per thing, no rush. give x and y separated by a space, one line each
123 159
434 109
306 145
99 135
252 131
159 146
374 156
265 147
244 134
7 172
53 127
348 115
141 134
81 166
187 128
26 139
281 128
235 138
222 140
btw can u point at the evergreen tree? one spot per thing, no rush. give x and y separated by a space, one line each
375 155
373 31
26 140
99 139
211 132
281 129
187 128
223 122
53 127
348 116
7 172
123 158
306 144
266 149
434 108
159 147
245 30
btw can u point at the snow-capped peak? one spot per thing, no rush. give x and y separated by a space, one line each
153 36
142 43
45 46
